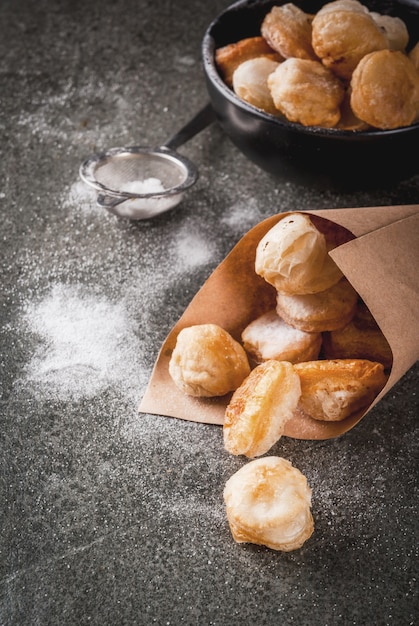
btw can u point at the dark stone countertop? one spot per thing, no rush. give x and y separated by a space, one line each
109 516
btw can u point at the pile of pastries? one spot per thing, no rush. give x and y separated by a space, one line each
318 355
344 67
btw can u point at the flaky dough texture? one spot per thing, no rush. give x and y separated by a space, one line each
207 361
268 502
332 390
293 257
318 312
259 409
269 337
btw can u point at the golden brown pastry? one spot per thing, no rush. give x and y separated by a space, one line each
319 312
394 29
343 33
207 361
293 257
260 407
287 29
307 92
250 83
334 389
414 55
385 90
268 502
229 57
348 120
269 337
362 338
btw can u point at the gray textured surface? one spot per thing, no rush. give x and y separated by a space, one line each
108 516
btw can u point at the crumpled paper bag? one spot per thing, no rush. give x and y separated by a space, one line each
381 262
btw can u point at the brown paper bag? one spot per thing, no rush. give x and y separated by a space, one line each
382 265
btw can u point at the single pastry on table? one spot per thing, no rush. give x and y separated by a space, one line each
268 502
259 409
319 312
293 257
362 338
270 337
332 390
207 361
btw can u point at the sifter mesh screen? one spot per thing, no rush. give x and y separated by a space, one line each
118 171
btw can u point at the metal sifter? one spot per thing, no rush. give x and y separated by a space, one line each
138 182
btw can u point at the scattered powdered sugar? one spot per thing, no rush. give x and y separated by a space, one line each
192 249
80 196
242 215
87 344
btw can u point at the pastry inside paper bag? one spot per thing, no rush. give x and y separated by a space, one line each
268 502
318 312
207 361
332 390
293 257
270 337
360 339
259 409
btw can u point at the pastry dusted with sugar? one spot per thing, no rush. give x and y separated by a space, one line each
330 309
332 390
269 337
207 361
268 502
259 409
293 257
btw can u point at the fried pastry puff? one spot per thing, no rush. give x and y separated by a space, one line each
362 338
385 90
307 92
394 29
348 120
250 83
331 390
269 337
268 502
318 312
293 257
259 409
287 29
343 33
207 361
229 57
